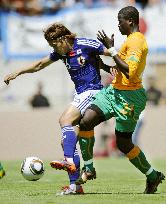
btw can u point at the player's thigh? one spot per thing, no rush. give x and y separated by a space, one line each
91 118
100 110
129 107
76 109
82 101
71 116
103 100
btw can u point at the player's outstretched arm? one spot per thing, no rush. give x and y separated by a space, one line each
37 66
107 68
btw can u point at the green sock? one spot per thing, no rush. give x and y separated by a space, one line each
141 163
86 146
89 167
1 167
152 176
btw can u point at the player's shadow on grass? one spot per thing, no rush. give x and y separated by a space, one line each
118 193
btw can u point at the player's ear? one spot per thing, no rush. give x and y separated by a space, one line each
131 22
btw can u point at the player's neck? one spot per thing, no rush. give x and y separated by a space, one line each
133 30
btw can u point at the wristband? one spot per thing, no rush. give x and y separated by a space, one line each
112 51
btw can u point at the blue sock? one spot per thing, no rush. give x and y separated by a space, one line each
69 140
75 176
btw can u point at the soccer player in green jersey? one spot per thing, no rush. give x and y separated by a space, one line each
124 99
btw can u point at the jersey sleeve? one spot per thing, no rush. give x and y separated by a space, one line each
92 46
134 54
54 56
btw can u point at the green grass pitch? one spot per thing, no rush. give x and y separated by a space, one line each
117 182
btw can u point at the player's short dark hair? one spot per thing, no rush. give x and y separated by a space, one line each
57 30
129 12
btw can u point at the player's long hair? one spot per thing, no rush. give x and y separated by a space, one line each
57 31
129 12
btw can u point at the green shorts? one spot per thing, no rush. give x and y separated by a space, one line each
124 105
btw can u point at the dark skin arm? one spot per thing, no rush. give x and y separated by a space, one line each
108 43
110 69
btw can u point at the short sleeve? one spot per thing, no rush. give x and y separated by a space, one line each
134 55
134 51
92 46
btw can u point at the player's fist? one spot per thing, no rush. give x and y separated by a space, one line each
10 77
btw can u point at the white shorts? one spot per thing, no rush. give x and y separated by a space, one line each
83 100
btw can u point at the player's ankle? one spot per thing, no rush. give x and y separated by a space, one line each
89 168
88 165
70 160
152 176
73 186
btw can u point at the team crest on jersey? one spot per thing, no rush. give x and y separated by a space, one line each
81 60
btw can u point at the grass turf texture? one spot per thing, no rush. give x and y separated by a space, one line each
117 182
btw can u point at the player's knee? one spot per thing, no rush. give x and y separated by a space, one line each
85 124
92 117
64 120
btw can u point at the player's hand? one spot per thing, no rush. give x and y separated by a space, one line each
108 42
10 77
113 71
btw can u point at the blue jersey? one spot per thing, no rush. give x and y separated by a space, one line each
82 64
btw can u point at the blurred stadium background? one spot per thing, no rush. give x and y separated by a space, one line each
29 131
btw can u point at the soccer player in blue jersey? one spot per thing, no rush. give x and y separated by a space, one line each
80 56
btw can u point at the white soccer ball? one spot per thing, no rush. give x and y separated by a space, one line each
32 168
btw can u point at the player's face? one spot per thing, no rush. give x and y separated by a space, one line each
124 25
61 46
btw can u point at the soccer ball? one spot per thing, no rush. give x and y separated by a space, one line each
32 168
